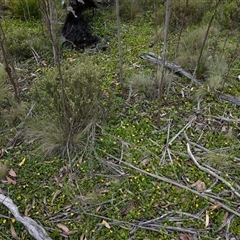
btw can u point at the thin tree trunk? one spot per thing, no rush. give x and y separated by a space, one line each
120 49
47 8
206 36
182 27
177 46
218 32
11 74
164 53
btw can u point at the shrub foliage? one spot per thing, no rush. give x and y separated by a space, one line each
60 124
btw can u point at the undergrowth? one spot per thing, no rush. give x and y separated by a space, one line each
126 174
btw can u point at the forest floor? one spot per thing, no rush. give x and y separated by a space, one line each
153 170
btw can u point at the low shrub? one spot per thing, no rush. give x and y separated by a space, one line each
64 118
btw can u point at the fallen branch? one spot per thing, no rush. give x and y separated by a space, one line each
211 172
170 181
218 151
178 70
230 98
226 119
193 118
35 230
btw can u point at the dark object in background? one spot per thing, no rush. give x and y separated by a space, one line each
76 31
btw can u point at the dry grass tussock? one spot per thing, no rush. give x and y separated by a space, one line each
189 49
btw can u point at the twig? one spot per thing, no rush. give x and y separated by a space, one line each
226 119
35 54
211 172
169 155
35 230
225 223
183 129
156 227
212 151
167 144
121 157
170 181
166 215
152 227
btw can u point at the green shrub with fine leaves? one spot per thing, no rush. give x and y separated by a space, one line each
65 115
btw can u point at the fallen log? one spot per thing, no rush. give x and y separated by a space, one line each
35 230
229 98
178 70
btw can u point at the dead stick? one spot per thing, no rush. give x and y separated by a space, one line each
178 70
210 172
170 181
35 230
193 118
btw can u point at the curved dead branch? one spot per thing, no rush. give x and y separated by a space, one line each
35 230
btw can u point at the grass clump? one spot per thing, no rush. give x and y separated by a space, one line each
61 124
218 70
190 50
142 85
